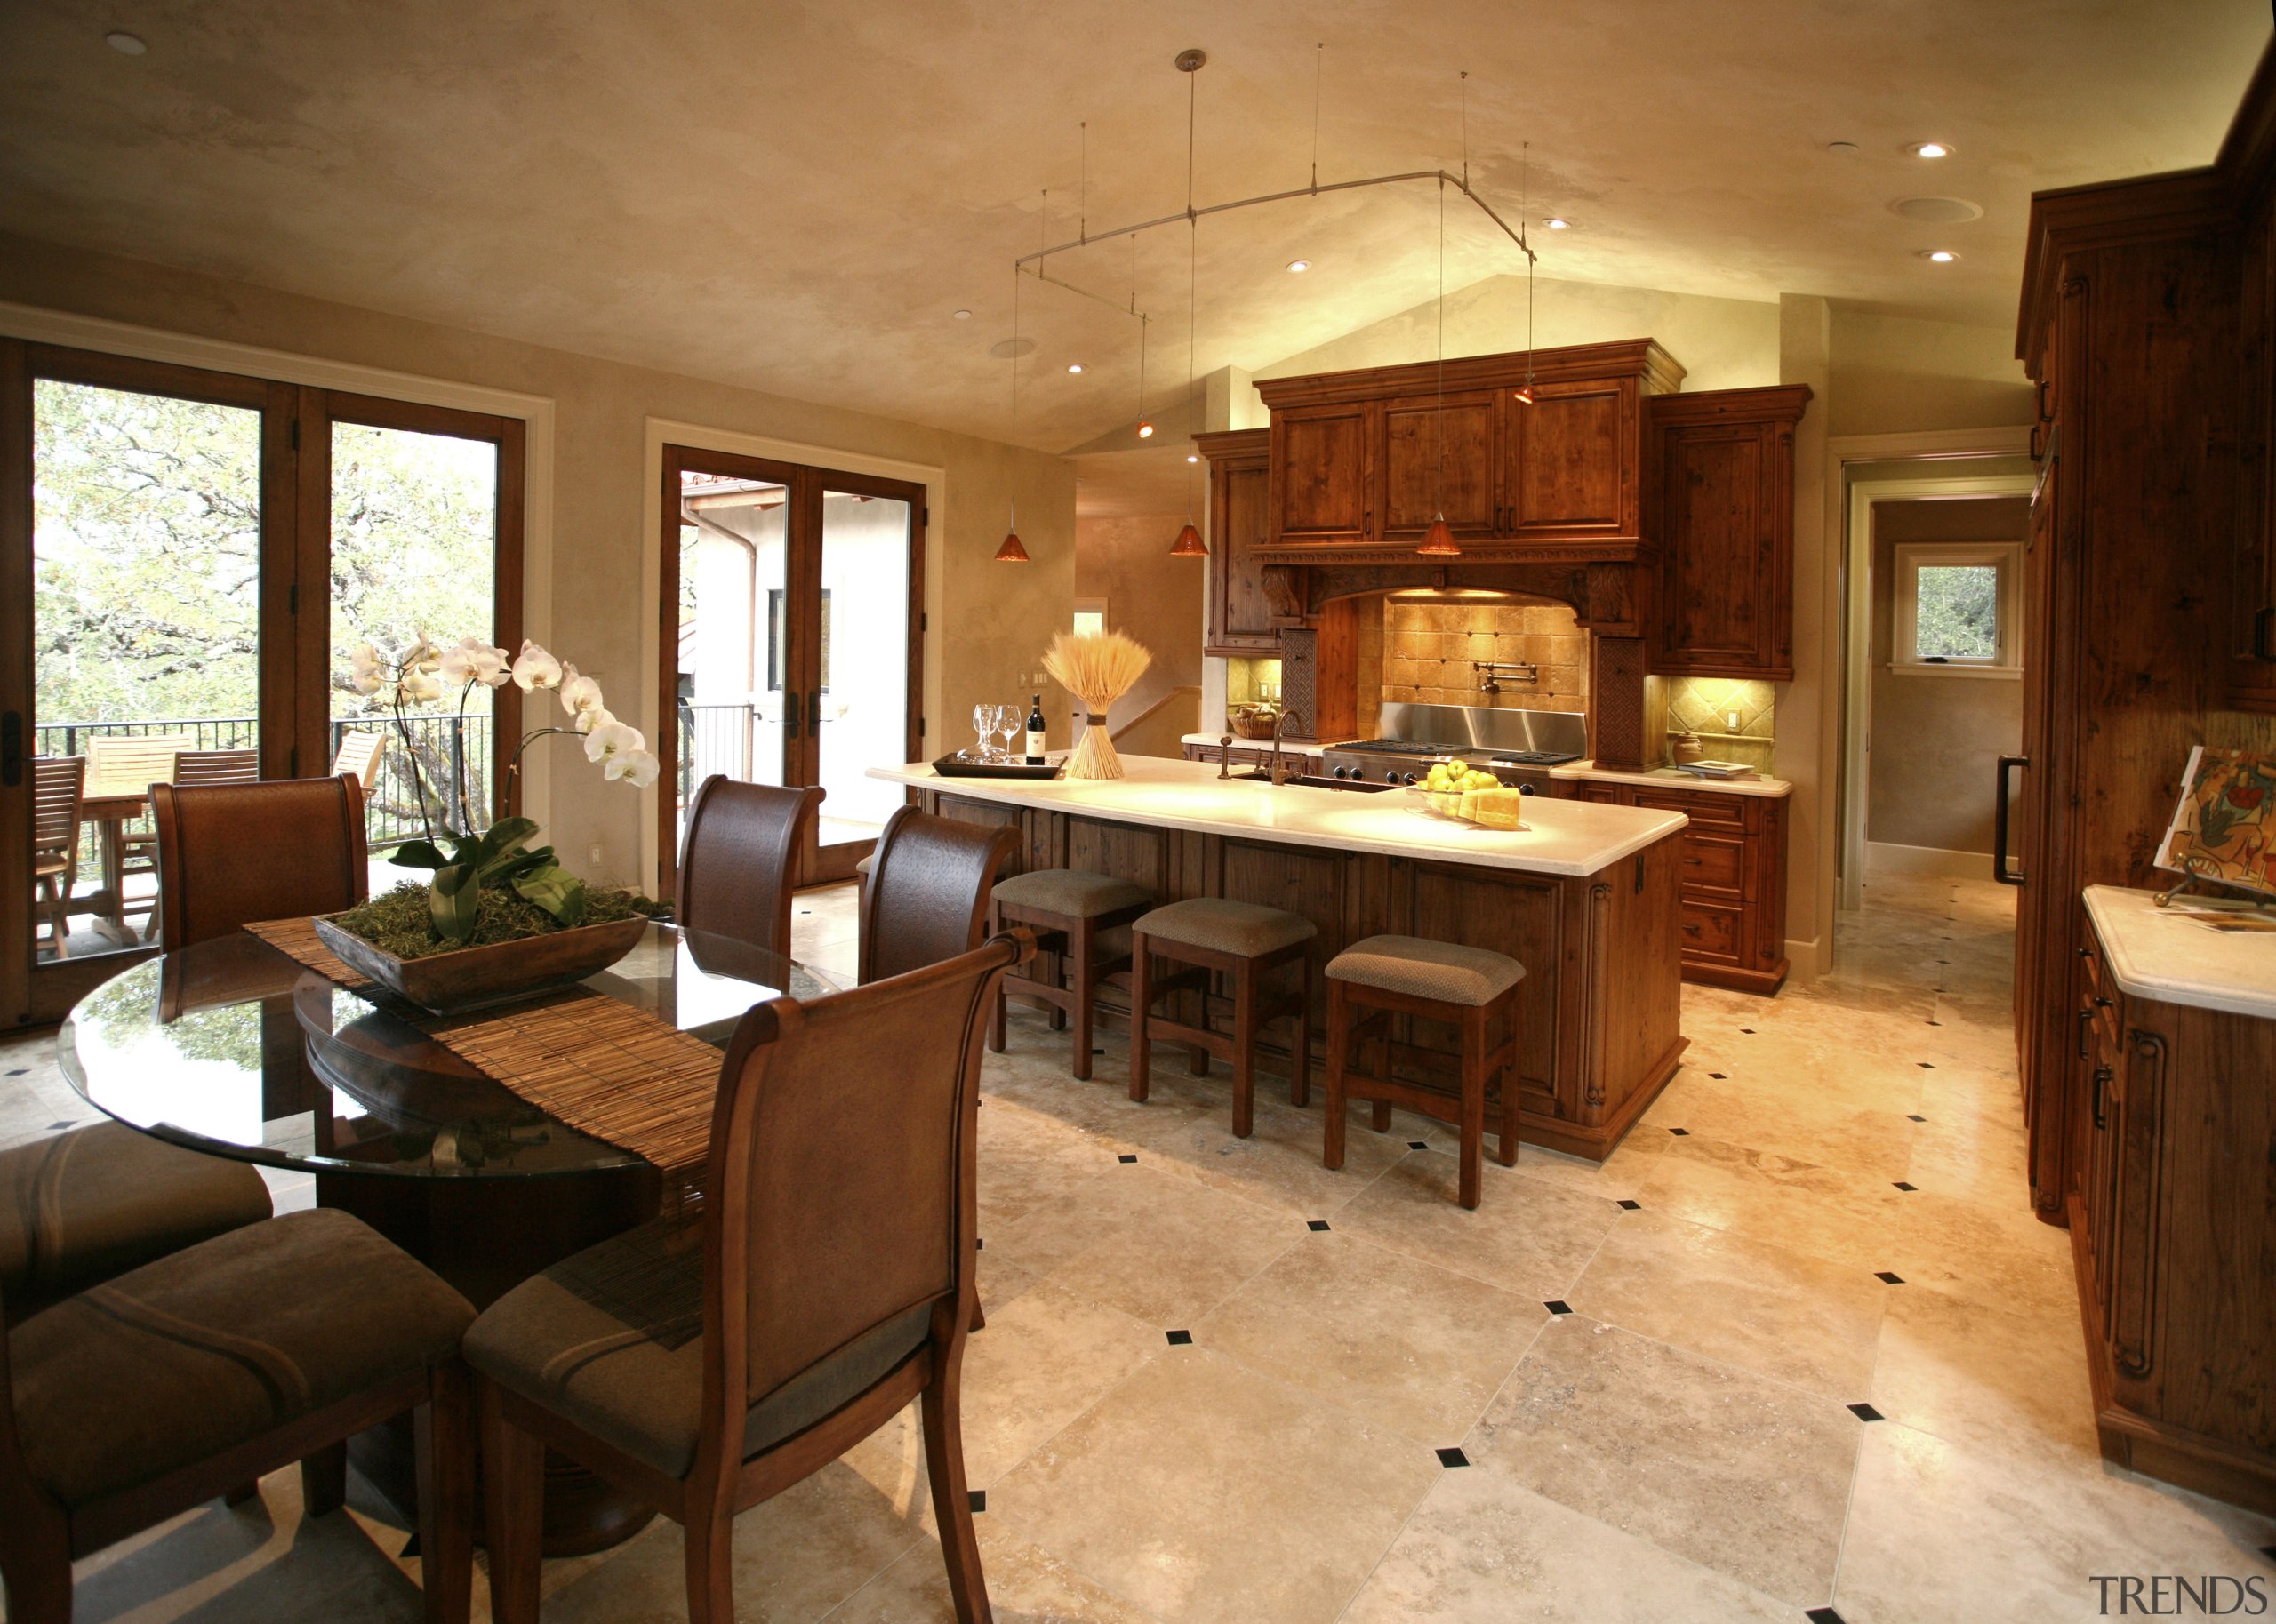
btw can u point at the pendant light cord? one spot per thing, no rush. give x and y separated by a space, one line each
1320 62
1441 413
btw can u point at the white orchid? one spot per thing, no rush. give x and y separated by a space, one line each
367 674
580 696
473 661
636 767
419 685
423 655
612 737
598 716
536 669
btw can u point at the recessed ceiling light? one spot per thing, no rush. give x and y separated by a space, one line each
1074 366
1942 256
1842 150
964 316
1012 349
1193 456
1556 222
1929 149
125 44
1300 265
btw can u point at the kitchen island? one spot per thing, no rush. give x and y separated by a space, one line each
1585 897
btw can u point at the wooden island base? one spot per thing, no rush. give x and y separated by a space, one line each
1602 1000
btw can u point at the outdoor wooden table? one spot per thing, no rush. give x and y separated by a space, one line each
110 813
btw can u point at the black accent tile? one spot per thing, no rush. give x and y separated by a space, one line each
1928 1066
20 1071
1866 1412
804 911
1901 1185
1748 1031
980 1243
1452 1458
1180 1339
1316 1225
1418 1144
1098 1051
57 1127
1558 1306
410 1548
1914 1116
978 1497
1680 1132
1824 1615
1632 1206
1943 961
1886 1278
1126 1159
1716 1076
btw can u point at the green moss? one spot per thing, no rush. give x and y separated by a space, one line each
397 921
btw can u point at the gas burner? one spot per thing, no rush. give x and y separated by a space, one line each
1396 747
1533 758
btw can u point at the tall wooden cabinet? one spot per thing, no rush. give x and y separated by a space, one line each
1239 621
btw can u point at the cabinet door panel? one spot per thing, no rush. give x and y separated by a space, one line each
1571 461
1412 434
1713 931
1242 622
1715 865
1713 495
1320 474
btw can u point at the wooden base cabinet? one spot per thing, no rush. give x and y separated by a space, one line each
1733 886
2172 1233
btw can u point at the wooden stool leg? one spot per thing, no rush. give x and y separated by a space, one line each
1300 1081
324 1479
996 1013
1339 1048
1141 1000
513 1496
1509 1148
1081 948
1473 1105
1245 993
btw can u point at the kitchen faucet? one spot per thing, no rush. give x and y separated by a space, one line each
1280 769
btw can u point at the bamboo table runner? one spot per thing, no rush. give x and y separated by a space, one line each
595 1062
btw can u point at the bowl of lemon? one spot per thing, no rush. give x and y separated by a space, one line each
1460 793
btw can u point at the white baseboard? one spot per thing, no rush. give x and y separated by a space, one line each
1884 857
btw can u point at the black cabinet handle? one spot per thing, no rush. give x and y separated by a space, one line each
2035 447
2000 789
2102 1082
2085 1017
12 748
2263 632
813 714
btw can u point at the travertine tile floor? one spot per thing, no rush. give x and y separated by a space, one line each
1219 1383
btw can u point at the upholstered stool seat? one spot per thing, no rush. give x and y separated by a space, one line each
1444 970
80 1207
1471 989
1214 936
1068 907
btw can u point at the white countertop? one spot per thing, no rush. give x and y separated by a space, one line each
1668 778
1562 837
2152 954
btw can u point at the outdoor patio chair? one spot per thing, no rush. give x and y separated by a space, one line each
56 781
359 757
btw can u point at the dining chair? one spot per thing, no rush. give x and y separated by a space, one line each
232 853
56 784
193 1376
359 757
707 1364
739 860
926 897
190 767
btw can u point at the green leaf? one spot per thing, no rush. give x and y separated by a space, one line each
554 889
453 903
510 832
417 854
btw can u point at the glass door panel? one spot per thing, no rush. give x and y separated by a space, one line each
863 705
146 632
413 552
736 690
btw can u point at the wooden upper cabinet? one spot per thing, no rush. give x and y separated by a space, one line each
2252 610
1419 437
1722 512
1322 472
1571 461
1240 619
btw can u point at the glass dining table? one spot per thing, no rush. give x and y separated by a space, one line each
232 1048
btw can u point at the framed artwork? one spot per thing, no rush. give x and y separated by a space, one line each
2224 829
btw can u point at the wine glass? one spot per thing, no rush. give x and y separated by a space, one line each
1011 722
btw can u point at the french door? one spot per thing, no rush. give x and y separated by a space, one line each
186 557
792 641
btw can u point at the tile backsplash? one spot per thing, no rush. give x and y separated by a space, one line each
1705 706
1249 680
1429 649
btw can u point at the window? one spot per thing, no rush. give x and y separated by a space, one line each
1090 616
776 648
1956 608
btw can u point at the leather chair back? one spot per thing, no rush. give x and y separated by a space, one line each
232 853
740 859
926 897
840 1194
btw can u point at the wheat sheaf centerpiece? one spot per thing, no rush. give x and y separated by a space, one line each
1097 668
499 919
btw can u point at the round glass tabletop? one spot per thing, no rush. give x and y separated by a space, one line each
234 1048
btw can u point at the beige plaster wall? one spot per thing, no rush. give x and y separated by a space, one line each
1154 598
1896 375
1936 739
983 640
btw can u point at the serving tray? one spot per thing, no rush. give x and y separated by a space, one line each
949 766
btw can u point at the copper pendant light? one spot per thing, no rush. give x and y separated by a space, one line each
1189 543
1011 551
1439 540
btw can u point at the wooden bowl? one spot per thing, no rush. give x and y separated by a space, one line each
473 978
1249 727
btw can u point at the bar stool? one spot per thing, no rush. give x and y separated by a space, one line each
1470 987
1067 908
1244 940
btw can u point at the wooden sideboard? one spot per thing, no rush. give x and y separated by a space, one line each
1734 885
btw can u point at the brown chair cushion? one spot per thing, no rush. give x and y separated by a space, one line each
612 1340
1070 894
1240 928
218 1345
1424 969
80 1207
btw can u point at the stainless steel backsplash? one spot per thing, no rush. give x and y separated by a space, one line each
1473 727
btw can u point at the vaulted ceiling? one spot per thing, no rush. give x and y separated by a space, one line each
798 197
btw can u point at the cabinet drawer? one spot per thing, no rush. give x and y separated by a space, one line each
1715 866
1713 931
1722 811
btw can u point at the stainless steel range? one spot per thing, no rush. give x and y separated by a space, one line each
1517 746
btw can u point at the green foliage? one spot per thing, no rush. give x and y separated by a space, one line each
1957 611
398 921
497 859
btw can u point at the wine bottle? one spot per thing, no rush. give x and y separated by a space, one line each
1035 732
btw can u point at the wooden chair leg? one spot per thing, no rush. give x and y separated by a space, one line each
1082 946
1141 1002
951 1500
442 1444
37 1569
710 1542
324 1479
242 1493
1245 999
1300 1081
996 1011
513 1520
1473 1105
1509 1105
1339 1047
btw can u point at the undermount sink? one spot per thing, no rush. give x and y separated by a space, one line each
1312 781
